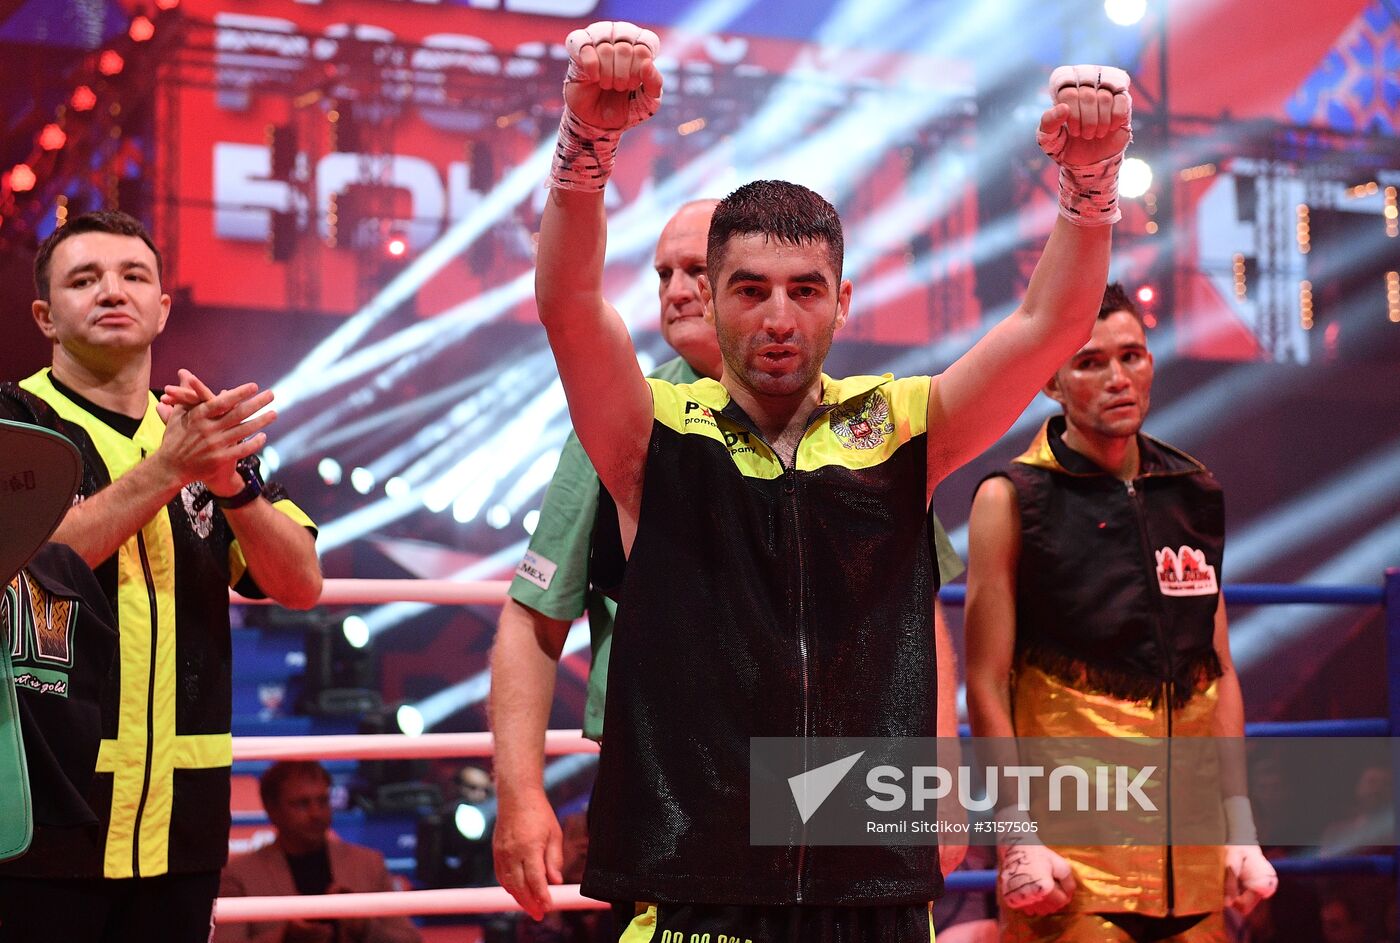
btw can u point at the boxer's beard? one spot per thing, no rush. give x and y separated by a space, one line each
743 362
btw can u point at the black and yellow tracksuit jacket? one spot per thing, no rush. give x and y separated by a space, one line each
762 600
162 784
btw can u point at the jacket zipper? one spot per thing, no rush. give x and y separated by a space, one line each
790 487
1150 560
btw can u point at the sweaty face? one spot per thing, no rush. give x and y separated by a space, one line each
1106 387
680 261
104 296
776 308
302 813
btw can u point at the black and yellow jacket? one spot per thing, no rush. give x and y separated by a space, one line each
162 784
763 601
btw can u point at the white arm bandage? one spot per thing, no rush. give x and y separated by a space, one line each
1088 192
583 158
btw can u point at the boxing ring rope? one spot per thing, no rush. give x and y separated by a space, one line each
558 742
375 592
395 746
458 900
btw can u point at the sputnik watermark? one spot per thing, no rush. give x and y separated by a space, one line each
1113 789
1103 791
976 789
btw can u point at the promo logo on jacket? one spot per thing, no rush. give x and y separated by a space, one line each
38 627
1185 572
198 508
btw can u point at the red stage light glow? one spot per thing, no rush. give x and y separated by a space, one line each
141 30
110 63
83 99
22 178
52 137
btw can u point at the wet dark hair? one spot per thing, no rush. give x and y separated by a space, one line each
109 221
270 783
1116 298
787 212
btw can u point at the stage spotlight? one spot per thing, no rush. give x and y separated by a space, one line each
341 677
52 137
470 822
468 504
1125 12
329 470
1135 178
397 488
396 247
22 178
453 849
498 517
141 30
110 63
167 4
362 480
1146 294
530 521
271 459
410 720
83 99
393 785
356 631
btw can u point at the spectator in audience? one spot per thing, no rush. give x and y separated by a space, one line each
307 858
473 784
1368 826
1343 922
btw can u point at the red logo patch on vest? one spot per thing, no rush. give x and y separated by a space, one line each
1185 572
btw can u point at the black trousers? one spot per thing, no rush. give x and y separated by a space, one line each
172 908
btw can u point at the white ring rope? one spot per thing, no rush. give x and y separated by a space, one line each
474 900
394 746
366 592
463 900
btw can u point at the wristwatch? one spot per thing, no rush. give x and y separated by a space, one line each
252 485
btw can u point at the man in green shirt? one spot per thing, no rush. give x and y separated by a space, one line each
551 589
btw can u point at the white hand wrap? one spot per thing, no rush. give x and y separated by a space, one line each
1029 873
1252 871
583 158
1088 192
1239 822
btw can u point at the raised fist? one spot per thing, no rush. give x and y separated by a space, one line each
1091 118
612 83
